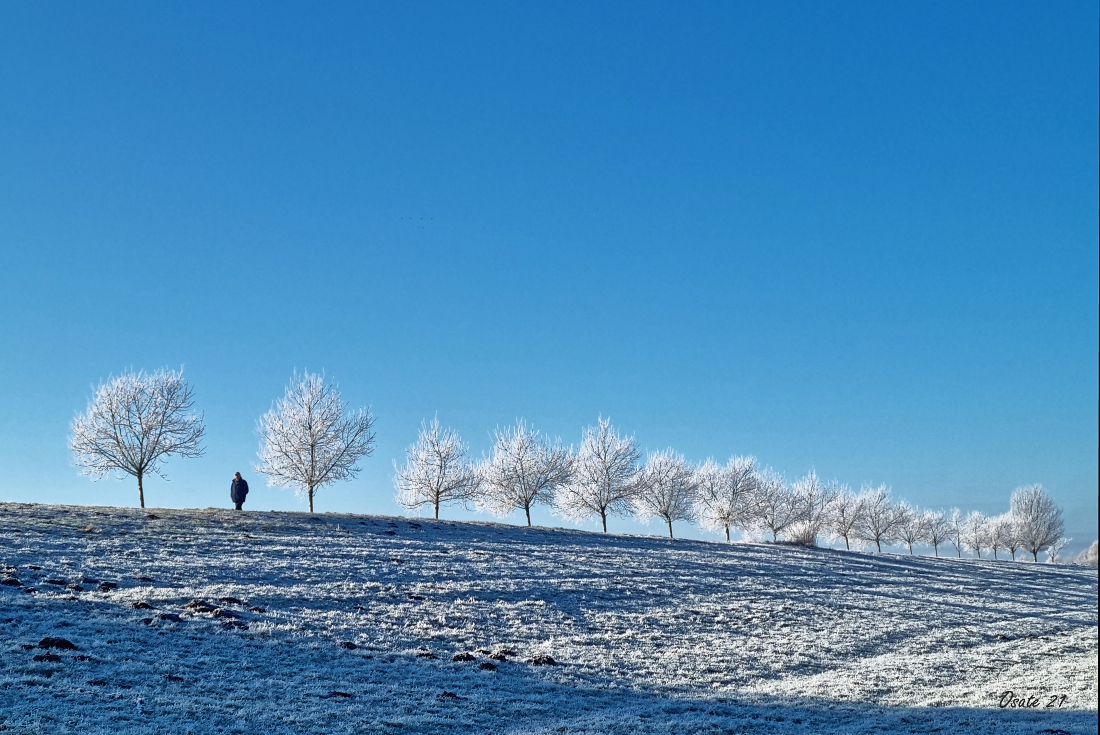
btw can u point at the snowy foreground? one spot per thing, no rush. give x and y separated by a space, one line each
349 624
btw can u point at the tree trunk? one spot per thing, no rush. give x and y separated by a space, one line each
936 546
311 500
910 549
846 546
603 517
1034 554
141 491
775 535
436 504
670 529
527 508
995 552
879 545
727 534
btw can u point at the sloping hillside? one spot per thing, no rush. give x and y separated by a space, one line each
286 623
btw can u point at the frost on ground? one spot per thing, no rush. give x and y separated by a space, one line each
227 622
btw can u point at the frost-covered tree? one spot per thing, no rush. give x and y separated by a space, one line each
937 529
813 501
666 489
713 512
775 508
309 439
1012 537
1038 519
975 532
879 522
133 423
955 530
1000 530
912 526
724 494
845 515
436 471
523 469
1054 550
1089 556
604 476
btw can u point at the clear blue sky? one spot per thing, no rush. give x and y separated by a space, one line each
856 237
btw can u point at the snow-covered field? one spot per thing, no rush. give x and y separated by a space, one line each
349 624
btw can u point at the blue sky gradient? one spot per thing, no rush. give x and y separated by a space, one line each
851 237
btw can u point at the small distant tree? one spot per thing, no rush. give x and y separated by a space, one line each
879 523
133 423
436 471
308 440
912 526
845 514
1055 550
710 481
955 530
1012 534
604 478
523 469
724 494
937 529
1038 519
999 533
1089 556
666 489
975 532
813 500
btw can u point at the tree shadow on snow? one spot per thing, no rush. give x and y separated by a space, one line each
201 675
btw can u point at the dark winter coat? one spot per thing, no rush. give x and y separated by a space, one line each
238 490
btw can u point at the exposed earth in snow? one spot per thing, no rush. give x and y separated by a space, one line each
287 623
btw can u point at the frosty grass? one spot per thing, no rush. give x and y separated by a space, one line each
648 635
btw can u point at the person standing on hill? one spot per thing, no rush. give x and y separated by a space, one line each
238 491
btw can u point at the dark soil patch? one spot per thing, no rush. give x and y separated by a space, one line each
542 661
